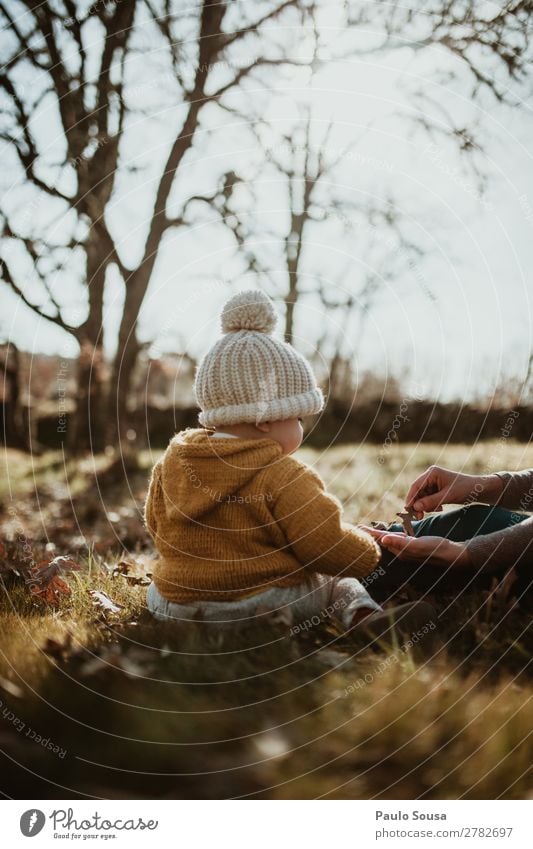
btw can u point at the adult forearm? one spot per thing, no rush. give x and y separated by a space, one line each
502 549
516 490
488 489
513 490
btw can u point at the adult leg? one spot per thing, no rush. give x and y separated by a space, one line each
475 520
467 522
457 525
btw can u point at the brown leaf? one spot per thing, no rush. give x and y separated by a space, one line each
123 570
134 581
51 592
45 581
48 569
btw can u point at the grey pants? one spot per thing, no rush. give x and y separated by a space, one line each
320 597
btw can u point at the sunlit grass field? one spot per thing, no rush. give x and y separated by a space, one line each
140 709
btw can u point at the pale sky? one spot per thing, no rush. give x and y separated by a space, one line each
458 324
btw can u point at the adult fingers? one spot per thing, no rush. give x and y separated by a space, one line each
377 533
418 486
431 503
401 545
398 542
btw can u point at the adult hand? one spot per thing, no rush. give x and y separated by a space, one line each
437 486
437 550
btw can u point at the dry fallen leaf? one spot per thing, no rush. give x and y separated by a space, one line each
63 563
45 582
134 581
101 599
123 569
52 591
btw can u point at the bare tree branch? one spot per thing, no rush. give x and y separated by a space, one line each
27 157
32 250
75 29
118 29
36 308
242 73
253 27
164 26
26 51
71 108
467 30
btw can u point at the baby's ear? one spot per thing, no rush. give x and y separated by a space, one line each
264 427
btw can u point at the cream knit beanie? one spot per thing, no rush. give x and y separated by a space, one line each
248 376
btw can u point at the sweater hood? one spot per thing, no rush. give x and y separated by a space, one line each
199 471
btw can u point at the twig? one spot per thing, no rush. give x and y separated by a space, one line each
407 521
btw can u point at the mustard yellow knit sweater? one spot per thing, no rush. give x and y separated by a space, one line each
233 517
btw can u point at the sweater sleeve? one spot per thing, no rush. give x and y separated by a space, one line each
311 520
512 546
517 491
153 499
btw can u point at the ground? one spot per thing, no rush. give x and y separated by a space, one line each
99 700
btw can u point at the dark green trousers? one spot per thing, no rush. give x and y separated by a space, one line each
458 525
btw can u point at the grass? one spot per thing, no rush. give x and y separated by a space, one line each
142 709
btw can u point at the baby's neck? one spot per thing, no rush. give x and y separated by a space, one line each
244 430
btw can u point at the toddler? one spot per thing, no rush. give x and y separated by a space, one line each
243 528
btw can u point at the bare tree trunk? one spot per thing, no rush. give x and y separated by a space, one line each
87 427
137 284
290 300
293 254
293 242
117 416
14 432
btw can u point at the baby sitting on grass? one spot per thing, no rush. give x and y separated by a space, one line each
242 528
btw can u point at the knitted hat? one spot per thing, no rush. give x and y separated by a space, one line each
248 376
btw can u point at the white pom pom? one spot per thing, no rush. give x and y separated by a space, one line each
248 311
